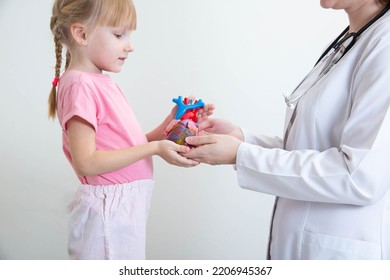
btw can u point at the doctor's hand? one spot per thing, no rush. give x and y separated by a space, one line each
219 126
213 149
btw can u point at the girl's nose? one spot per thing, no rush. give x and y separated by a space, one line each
129 47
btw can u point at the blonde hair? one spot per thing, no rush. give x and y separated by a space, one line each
90 12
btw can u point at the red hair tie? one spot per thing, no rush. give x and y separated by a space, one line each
55 81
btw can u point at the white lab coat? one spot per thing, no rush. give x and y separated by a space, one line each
332 179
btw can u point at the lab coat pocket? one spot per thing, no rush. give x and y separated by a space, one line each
327 247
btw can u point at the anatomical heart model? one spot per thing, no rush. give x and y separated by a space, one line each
185 122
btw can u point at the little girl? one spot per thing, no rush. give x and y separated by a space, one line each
101 137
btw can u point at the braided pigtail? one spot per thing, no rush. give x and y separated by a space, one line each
58 50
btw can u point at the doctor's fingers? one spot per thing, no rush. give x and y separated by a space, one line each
203 145
207 110
200 154
200 140
213 149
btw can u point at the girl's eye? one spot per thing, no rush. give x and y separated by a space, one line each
118 36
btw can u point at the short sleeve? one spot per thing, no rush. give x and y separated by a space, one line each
79 100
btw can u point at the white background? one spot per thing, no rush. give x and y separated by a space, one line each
240 55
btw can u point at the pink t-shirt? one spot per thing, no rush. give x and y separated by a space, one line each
97 99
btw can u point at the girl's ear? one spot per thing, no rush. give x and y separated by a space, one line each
79 34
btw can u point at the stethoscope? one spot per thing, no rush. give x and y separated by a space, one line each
330 57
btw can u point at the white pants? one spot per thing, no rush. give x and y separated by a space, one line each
109 222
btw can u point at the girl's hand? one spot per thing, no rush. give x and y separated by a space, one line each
213 149
172 153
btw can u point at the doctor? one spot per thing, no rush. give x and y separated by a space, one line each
329 172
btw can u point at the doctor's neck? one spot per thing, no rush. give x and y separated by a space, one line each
359 16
